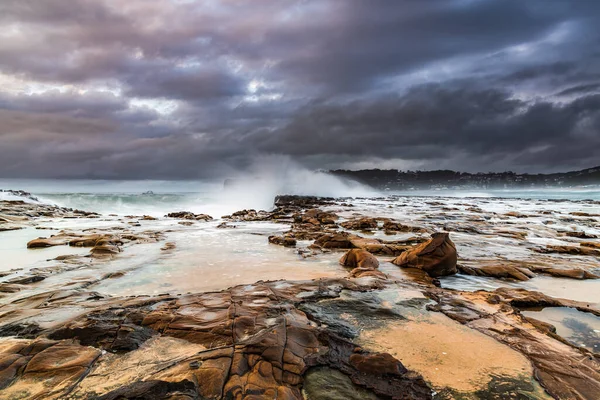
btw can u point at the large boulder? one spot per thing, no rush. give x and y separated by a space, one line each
437 256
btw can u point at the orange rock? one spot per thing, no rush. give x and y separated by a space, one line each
437 256
359 258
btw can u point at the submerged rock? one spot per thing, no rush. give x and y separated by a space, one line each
437 256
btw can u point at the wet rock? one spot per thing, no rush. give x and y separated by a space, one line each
112 330
595 245
498 271
437 256
302 201
564 371
341 240
60 364
105 247
249 215
249 341
573 273
168 246
361 224
286 241
392 227
154 389
572 250
48 242
90 240
580 235
21 330
358 258
315 216
7 227
515 214
189 215
327 383
382 247
26 280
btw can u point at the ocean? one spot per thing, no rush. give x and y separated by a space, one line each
156 197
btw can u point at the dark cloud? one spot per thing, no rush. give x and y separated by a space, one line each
192 89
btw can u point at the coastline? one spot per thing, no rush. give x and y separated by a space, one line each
69 332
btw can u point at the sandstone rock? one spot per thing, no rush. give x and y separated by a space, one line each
105 247
580 235
358 258
189 215
437 256
286 241
48 242
573 273
89 241
367 272
564 371
391 227
340 240
595 245
361 224
498 271
572 250
302 201
168 246
247 342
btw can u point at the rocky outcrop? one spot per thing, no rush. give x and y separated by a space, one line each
189 215
250 341
361 224
437 256
571 250
392 227
315 216
48 242
341 240
563 370
302 201
498 271
594 245
524 272
286 240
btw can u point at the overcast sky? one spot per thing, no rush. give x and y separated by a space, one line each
183 89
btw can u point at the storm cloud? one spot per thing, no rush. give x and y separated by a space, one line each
184 89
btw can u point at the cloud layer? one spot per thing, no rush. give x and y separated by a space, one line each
180 89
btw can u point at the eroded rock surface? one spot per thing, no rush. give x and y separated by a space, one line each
437 256
246 342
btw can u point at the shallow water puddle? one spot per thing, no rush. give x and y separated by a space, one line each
15 254
581 329
208 259
453 358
